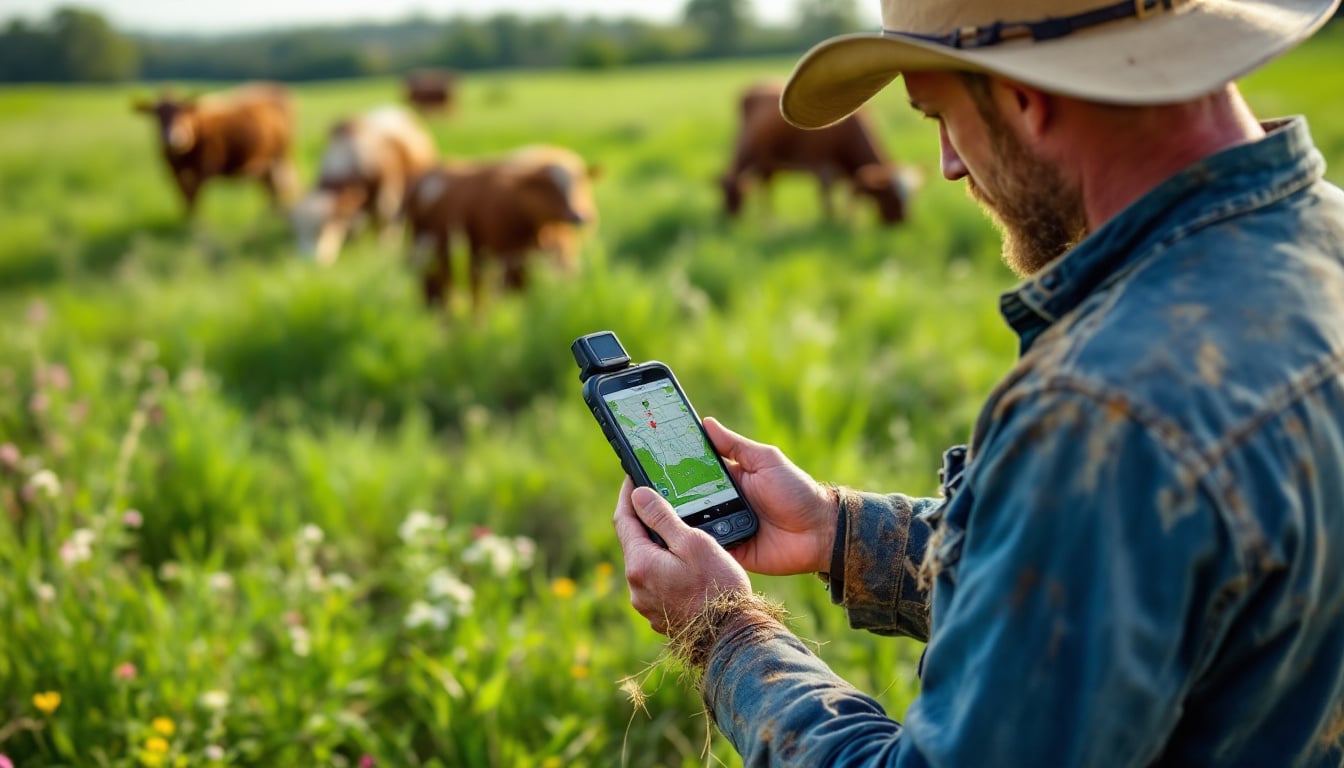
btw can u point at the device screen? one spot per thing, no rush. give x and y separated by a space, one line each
672 448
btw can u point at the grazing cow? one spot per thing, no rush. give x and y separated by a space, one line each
365 171
244 133
431 90
532 200
847 150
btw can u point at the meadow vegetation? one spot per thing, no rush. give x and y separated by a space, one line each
256 512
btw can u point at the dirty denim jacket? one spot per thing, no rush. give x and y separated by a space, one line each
1140 559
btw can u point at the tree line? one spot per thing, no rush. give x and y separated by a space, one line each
79 45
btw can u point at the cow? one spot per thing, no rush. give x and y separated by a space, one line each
534 199
365 171
431 90
848 150
243 133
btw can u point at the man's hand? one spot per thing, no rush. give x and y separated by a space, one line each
670 586
797 514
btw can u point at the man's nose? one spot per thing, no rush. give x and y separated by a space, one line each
953 167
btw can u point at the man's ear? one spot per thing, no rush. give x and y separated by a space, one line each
1028 109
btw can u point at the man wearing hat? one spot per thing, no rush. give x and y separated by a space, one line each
1139 558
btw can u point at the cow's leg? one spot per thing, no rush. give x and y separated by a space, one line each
386 208
515 271
189 183
282 184
437 275
476 275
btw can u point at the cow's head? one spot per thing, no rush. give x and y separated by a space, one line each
556 193
177 121
891 187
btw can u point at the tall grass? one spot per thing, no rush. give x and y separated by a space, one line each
255 512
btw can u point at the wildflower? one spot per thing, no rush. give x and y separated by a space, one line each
214 752
45 592
79 547
10 456
169 571
47 701
552 762
39 402
423 614
151 759
340 581
300 641
132 518
220 582
367 761
156 744
564 588
443 584
215 700
477 531
417 523
579 672
58 377
45 481
36 313
163 726
604 570
191 380
125 671
5 762
311 535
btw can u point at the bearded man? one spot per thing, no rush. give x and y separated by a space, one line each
1139 558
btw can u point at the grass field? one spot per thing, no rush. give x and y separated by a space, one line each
255 512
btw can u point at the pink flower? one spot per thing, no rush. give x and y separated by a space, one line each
126 671
58 377
366 761
132 518
39 402
10 456
5 762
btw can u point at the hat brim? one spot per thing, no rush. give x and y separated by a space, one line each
1166 58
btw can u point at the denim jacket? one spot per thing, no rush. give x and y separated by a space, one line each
1139 561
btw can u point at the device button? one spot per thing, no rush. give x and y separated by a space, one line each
742 521
722 528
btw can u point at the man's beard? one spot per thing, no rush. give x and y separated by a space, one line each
1039 213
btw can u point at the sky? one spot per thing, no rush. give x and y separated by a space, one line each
211 16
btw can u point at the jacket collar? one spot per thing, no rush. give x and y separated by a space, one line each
1237 179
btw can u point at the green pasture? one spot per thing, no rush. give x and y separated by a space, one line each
255 512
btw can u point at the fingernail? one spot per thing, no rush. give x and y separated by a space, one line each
643 497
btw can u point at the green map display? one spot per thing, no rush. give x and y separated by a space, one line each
669 444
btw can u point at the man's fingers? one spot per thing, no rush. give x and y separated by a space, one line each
629 532
659 515
750 454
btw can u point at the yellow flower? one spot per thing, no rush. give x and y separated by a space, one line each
564 588
47 701
163 726
579 672
156 745
551 762
151 759
604 570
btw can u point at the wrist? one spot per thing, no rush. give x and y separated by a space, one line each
826 540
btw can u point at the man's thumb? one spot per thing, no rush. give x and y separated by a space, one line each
657 514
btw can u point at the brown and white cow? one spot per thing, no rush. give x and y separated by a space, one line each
535 199
848 150
243 133
431 90
365 172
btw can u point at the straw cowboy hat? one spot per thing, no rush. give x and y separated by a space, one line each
1128 52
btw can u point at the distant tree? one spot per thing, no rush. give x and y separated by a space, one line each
508 34
467 45
93 50
820 19
29 54
597 52
723 23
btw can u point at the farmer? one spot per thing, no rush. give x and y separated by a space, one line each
1139 559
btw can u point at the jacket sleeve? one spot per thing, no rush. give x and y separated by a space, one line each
1071 576
879 545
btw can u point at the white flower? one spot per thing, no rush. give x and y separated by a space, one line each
214 752
300 641
526 549
340 581
46 482
315 580
502 554
444 585
214 700
170 571
45 592
220 582
423 614
79 547
417 523
311 535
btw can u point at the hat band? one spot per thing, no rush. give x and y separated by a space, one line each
980 36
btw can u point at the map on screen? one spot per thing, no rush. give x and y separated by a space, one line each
670 446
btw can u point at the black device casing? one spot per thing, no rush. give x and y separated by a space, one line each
650 371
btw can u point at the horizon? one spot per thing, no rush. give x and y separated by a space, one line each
162 17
